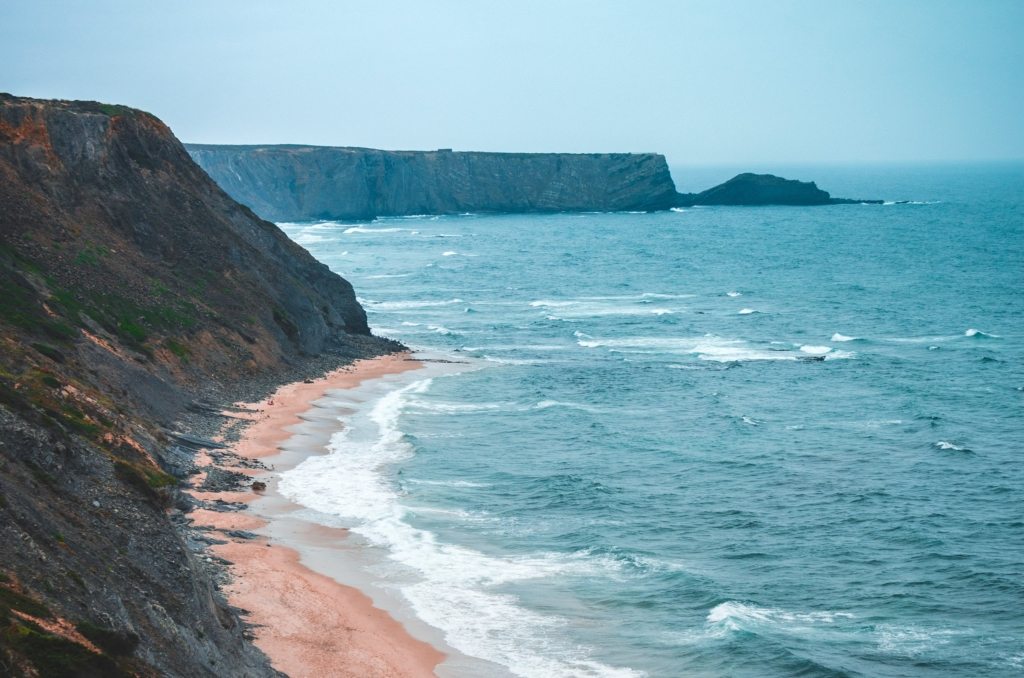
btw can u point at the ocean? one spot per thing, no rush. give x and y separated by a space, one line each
719 441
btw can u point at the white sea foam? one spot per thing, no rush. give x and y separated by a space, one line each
815 350
946 445
978 333
599 306
453 408
449 586
747 311
842 337
741 617
305 238
441 329
734 294
446 483
708 347
381 276
545 404
405 305
449 253
363 229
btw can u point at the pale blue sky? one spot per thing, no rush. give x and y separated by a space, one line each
702 82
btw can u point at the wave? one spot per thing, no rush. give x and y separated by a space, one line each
738 616
747 311
364 229
381 276
711 347
946 445
979 334
305 238
842 337
450 587
546 404
734 294
445 483
404 305
594 307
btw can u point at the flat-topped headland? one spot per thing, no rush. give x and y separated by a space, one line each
306 183
299 183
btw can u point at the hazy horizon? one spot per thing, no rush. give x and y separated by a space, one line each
704 83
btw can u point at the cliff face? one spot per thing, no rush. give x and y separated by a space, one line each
130 285
295 183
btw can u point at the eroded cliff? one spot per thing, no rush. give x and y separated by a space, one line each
130 286
296 183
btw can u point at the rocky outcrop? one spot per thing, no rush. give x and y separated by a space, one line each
131 286
763 189
296 183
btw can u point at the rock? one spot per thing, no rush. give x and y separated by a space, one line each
222 480
242 534
258 486
294 183
763 189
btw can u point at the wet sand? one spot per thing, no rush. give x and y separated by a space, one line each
306 622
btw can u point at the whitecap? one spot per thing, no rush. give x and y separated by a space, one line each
449 253
946 445
746 311
815 350
403 305
842 337
446 483
981 335
363 229
734 294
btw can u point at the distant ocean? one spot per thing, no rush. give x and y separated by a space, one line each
712 442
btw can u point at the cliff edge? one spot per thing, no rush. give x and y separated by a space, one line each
297 183
131 287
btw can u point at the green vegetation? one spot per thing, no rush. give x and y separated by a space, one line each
108 640
54 656
114 109
91 255
286 324
146 479
178 349
51 353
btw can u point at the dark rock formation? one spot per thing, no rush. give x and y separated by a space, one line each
296 183
763 189
131 287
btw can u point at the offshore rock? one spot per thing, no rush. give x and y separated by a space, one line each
764 189
299 183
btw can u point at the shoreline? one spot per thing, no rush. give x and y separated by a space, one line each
306 622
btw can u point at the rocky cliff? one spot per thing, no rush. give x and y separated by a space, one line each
296 183
131 286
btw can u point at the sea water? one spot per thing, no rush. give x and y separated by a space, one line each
711 442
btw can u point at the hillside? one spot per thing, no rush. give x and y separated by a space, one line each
131 287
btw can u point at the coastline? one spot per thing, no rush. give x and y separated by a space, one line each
306 622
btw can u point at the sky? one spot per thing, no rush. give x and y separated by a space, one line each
705 83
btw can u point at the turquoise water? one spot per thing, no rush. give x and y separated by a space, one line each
717 442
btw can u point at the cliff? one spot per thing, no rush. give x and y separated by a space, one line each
130 287
296 183
763 189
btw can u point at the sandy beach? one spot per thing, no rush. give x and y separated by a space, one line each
306 622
